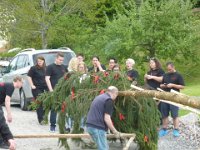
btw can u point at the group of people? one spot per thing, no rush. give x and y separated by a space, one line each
44 78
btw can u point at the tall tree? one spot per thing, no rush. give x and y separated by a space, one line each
34 19
164 29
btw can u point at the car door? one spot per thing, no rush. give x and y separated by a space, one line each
18 66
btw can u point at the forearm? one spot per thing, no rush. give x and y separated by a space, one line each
176 86
159 79
109 123
49 84
7 105
30 81
100 68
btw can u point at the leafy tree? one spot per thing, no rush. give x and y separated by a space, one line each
164 29
34 19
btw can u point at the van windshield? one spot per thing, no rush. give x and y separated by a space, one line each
50 57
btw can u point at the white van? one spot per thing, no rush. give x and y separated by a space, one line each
20 65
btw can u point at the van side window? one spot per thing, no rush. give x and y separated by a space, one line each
20 62
12 66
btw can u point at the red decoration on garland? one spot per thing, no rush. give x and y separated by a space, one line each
96 79
105 74
121 116
146 139
63 107
72 93
102 91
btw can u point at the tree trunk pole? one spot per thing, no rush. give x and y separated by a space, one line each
193 102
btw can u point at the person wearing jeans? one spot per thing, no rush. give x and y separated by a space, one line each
99 118
53 73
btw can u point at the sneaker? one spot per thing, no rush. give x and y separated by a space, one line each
176 133
52 129
162 132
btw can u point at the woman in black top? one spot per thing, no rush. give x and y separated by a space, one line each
36 77
154 76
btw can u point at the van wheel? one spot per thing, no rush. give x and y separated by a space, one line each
23 100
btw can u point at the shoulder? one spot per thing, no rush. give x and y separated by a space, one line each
9 85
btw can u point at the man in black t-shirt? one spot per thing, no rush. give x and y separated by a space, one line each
53 73
99 117
172 80
6 91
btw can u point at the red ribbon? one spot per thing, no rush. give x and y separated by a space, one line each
121 116
105 74
96 79
146 139
63 107
102 91
72 94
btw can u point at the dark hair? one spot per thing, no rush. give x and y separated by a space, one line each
170 63
158 64
95 57
116 66
80 54
41 58
60 54
112 58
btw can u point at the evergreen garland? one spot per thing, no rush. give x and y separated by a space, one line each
72 97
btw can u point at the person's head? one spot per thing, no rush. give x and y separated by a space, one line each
82 68
18 82
95 59
130 63
59 58
40 62
113 92
170 67
116 68
112 63
80 57
73 64
154 64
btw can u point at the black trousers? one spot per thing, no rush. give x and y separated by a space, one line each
5 133
40 110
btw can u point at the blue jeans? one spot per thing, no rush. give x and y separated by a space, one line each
53 117
99 137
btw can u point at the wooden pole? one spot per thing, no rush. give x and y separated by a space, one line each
129 143
123 135
193 102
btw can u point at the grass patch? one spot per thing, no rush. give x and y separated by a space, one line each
183 112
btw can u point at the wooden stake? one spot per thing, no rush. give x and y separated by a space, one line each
124 135
129 143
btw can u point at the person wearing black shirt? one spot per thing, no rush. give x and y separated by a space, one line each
99 117
131 73
53 73
6 91
36 78
97 66
172 80
154 76
112 64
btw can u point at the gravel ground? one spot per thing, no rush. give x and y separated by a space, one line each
25 122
